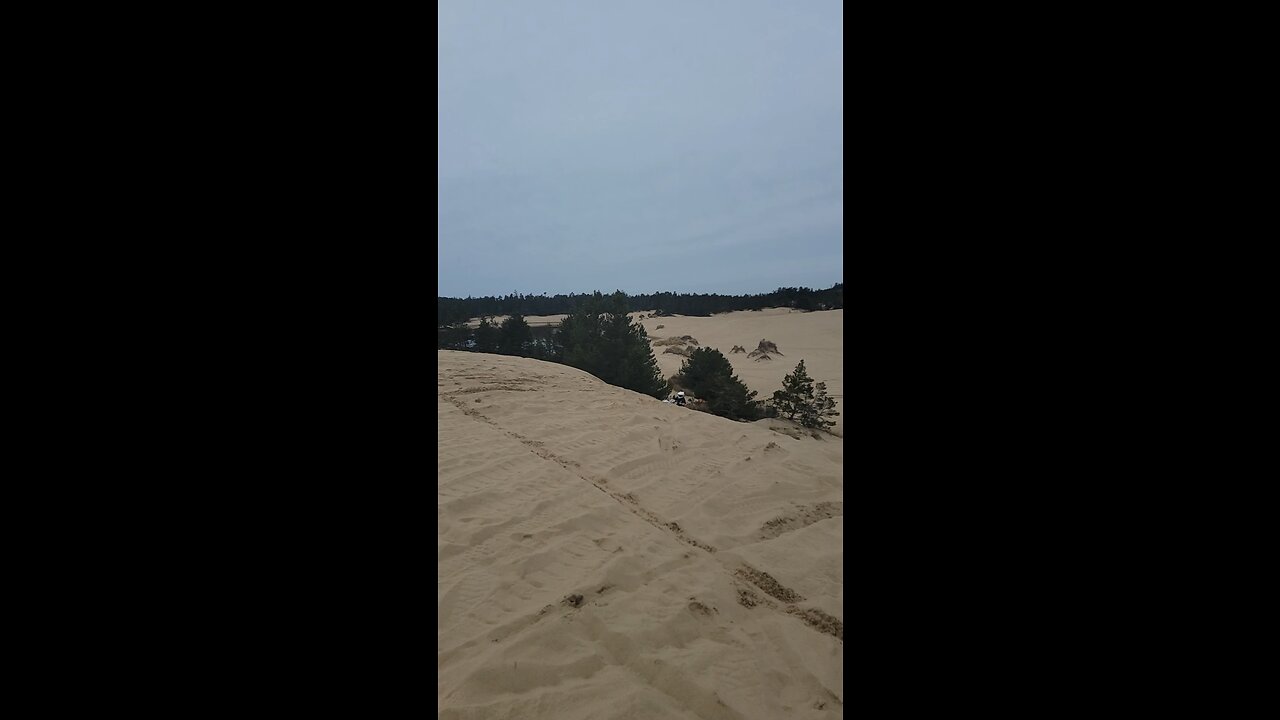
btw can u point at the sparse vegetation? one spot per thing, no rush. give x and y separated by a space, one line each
801 400
763 349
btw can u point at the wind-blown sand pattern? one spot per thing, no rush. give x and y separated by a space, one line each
602 554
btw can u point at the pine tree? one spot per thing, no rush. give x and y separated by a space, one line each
600 338
454 337
487 336
709 376
796 394
822 408
800 400
514 336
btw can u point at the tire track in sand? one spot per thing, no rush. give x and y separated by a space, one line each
813 617
626 500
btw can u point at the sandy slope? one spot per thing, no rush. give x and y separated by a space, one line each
668 522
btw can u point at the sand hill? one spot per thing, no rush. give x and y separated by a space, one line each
602 554
815 337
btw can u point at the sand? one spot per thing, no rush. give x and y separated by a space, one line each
601 554
530 320
815 337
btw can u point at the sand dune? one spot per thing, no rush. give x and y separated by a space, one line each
531 320
815 337
605 555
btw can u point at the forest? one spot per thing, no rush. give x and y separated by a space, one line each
599 336
450 311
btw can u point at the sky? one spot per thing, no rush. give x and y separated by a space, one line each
692 146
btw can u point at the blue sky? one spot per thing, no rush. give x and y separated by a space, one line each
642 146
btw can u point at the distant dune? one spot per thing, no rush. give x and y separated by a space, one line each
815 337
532 320
601 554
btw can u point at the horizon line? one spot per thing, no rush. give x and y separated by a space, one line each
653 292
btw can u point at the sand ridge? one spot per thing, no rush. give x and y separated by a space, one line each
601 554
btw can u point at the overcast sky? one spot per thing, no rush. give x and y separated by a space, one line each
689 146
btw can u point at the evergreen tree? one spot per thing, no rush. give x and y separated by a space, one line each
823 407
454 337
709 376
796 393
451 310
514 336
600 338
799 400
487 336
543 349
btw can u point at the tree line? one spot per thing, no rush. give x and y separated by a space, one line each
599 337
454 310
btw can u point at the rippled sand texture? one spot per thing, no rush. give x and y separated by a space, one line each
604 555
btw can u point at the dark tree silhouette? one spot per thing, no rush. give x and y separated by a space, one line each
454 337
599 337
514 336
709 376
487 336
452 310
